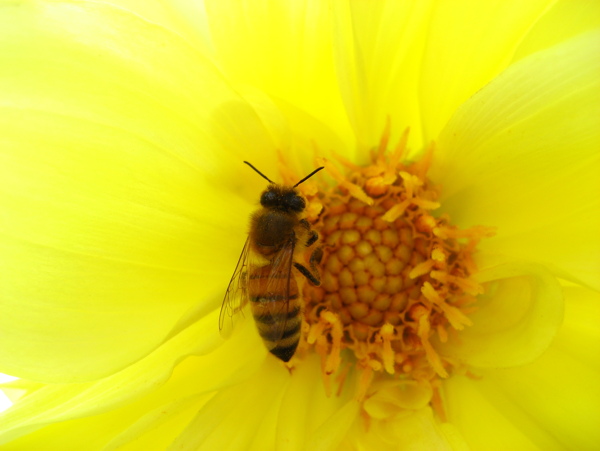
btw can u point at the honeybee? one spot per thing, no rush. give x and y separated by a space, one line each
267 269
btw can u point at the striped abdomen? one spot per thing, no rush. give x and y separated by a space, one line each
276 307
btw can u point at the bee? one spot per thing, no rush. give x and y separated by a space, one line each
267 270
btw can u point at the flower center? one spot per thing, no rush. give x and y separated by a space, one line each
392 275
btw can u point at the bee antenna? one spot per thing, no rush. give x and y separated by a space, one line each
309 176
261 174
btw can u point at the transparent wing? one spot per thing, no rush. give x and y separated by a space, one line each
282 286
236 295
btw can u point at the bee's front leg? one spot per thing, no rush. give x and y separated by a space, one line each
312 235
316 255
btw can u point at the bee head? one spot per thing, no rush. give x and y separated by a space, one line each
282 198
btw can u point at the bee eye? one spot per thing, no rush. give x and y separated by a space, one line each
296 203
268 199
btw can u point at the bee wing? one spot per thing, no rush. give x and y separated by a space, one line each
236 295
280 284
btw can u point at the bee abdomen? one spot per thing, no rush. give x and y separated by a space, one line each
280 328
285 353
274 335
277 309
284 346
273 298
270 318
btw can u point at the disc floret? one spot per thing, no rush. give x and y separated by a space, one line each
394 275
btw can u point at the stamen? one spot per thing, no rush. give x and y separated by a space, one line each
386 334
354 190
432 356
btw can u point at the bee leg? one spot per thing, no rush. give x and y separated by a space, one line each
306 273
313 236
315 258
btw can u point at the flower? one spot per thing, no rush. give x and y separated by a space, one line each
123 130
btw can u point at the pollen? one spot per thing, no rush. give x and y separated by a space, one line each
394 274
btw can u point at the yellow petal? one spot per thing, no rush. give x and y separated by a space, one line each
305 407
412 430
484 426
522 155
156 428
332 432
560 390
15 388
515 321
183 17
283 49
407 395
378 49
468 44
230 419
579 335
125 406
61 402
551 403
93 433
117 160
299 137
562 21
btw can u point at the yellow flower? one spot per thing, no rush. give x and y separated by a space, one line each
124 207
